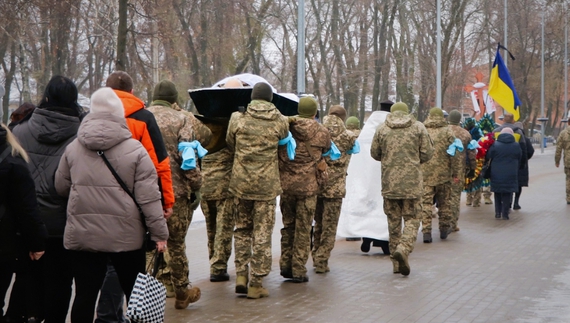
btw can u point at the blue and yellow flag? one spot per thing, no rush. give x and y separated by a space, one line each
501 87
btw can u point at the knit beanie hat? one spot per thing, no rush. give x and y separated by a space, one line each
435 112
353 123
337 110
399 106
262 91
165 91
454 117
507 130
307 107
105 100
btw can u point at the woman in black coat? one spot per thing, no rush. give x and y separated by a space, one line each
44 134
22 232
505 155
523 167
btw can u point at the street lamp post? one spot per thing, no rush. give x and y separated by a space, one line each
542 119
438 98
565 115
301 47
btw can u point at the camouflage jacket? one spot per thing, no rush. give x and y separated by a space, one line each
344 140
253 136
402 144
563 144
178 126
442 167
468 156
355 131
217 171
299 176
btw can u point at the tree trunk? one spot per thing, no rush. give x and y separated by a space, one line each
121 62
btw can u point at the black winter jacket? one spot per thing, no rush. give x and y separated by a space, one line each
505 155
45 136
21 228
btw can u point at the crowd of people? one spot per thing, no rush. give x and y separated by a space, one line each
80 191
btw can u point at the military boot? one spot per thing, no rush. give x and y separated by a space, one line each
402 259
427 238
169 290
241 285
255 292
395 266
469 199
186 296
488 200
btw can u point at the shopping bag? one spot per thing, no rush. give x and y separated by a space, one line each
148 300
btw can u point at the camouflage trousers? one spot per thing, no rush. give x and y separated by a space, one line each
252 238
567 172
324 236
298 213
409 210
442 194
219 215
176 271
474 198
455 201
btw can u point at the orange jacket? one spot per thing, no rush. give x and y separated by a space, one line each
144 128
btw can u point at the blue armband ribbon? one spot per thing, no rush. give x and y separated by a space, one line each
189 155
355 149
291 145
333 153
456 145
473 145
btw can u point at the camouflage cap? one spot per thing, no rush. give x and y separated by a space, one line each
353 123
435 112
454 117
399 106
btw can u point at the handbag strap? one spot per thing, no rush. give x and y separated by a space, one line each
155 262
123 185
5 153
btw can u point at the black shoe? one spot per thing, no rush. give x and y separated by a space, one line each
516 207
298 280
443 233
287 273
223 277
365 246
505 217
498 216
427 238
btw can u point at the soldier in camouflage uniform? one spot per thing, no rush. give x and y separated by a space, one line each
329 200
468 156
217 205
299 182
563 146
253 136
353 124
401 144
178 126
438 174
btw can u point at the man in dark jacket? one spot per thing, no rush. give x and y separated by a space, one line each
22 232
45 135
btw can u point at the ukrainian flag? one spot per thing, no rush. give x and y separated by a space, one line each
501 87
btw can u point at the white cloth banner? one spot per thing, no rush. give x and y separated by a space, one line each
362 213
489 103
475 103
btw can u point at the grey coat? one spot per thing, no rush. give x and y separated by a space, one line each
100 215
